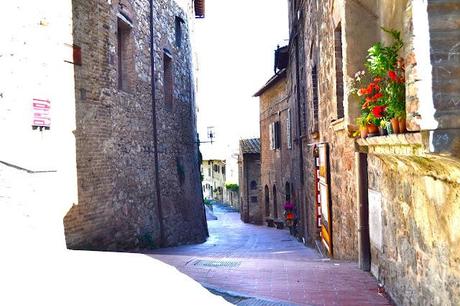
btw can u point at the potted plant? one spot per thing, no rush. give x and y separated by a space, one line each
384 62
361 121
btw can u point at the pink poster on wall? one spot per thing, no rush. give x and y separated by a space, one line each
41 114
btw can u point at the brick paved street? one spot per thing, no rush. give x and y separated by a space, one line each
267 263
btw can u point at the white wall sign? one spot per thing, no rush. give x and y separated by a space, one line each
375 218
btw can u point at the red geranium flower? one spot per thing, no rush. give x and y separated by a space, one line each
378 111
393 75
377 96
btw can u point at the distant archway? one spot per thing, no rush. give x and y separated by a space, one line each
275 204
267 201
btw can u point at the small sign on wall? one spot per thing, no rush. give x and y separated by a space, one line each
375 218
41 114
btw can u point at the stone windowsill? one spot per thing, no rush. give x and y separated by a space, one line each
338 124
408 144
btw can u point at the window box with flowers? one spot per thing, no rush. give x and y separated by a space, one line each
381 90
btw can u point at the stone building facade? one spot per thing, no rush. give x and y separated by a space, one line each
276 147
213 183
249 166
392 200
121 143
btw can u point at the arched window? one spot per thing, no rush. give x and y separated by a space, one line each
253 185
275 204
267 201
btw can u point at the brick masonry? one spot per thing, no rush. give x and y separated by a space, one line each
249 177
413 178
118 207
276 164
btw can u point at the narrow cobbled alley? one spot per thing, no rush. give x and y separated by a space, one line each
258 265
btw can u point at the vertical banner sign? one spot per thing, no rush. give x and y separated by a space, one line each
317 188
325 196
41 114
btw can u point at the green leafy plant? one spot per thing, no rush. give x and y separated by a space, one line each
381 88
380 58
232 187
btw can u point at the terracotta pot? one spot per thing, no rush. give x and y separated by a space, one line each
402 125
395 125
372 130
363 131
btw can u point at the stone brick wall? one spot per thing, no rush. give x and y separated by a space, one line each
250 196
118 206
415 244
276 165
319 51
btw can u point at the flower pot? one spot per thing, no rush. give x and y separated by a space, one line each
363 131
402 125
372 130
395 125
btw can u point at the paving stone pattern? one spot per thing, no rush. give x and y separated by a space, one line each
273 266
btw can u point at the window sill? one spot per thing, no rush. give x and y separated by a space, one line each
408 144
338 124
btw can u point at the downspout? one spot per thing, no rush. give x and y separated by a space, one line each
299 128
155 130
363 201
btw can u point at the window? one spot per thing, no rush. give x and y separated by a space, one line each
253 199
339 70
275 135
178 27
168 78
209 171
288 129
314 81
253 185
223 169
124 50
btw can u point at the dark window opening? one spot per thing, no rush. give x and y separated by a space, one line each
124 52
288 191
339 70
178 28
253 199
168 79
314 81
277 130
253 185
223 169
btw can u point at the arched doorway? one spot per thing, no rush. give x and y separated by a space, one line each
288 191
275 204
267 201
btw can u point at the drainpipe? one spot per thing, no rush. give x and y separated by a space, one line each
155 130
299 127
363 201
